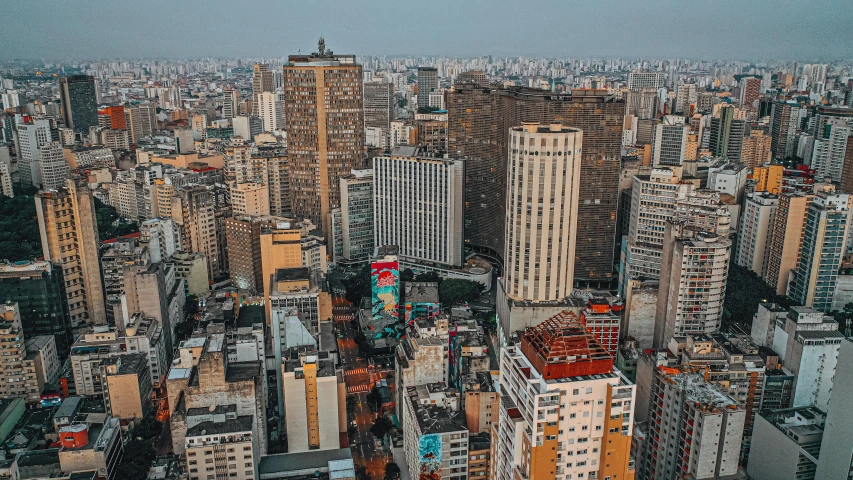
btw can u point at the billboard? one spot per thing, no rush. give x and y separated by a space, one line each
385 283
429 451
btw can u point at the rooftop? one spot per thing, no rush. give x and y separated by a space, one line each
433 418
275 466
243 423
561 347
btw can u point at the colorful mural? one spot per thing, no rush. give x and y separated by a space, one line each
385 282
429 449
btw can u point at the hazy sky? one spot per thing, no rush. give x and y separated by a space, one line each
732 29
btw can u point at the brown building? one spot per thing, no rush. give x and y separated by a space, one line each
750 91
192 209
479 455
478 129
127 388
243 234
847 168
69 237
786 239
325 138
432 136
378 104
756 150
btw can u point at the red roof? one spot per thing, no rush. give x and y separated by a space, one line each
129 235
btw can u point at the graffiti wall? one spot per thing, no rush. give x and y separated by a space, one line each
385 282
430 455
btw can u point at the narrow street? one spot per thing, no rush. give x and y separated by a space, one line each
358 383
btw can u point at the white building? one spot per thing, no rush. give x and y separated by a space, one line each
670 143
418 206
836 451
31 136
314 402
727 177
145 335
544 181
162 237
435 434
53 167
220 444
271 110
756 224
785 444
638 80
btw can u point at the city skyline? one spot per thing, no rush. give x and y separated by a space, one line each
751 30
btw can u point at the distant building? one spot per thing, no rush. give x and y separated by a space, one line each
379 103
427 82
78 94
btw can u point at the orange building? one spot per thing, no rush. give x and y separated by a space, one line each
117 118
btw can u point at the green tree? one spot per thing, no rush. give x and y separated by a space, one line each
428 277
454 290
374 400
109 223
147 428
358 286
138 455
19 232
381 426
744 291
392 471
361 473
407 275
402 103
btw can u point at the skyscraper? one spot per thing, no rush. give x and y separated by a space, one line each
750 92
356 216
427 82
244 250
69 237
784 127
32 134
727 134
192 210
638 80
230 102
325 128
262 80
756 149
786 238
670 141
78 94
378 104
54 167
826 225
271 109
542 211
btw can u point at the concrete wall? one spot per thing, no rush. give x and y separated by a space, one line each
836 450
640 310
772 455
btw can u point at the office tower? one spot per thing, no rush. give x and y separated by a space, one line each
756 150
32 134
694 428
325 138
476 77
694 270
750 92
418 206
142 120
230 102
262 80
434 429
670 143
545 169
686 98
313 397
644 103
784 127
78 94
356 216
54 167
836 450
638 80
271 110
808 343
727 134
6 180
281 248
560 387
378 104
431 136
116 117
427 82
824 234
250 199
474 135
786 239
127 386
39 290
814 73
69 237
243 233
241 166
755 233
785 442
193 211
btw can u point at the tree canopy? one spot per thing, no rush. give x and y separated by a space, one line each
109 223
744 291
453 290
19 232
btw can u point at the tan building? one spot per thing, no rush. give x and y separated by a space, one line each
243 237
250 199
314 399
19 375
69 237
325 138
281 247
192 267
127 386
540 247
482 402
241 166
193 211
755 151
786 239
768 178
95 444
186 160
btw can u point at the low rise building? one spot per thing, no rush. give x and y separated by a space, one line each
435 435
220 444
127 386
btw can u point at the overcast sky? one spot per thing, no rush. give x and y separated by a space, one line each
713 29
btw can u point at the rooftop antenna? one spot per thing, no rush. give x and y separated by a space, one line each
321 46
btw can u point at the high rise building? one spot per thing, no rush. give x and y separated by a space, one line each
541 241
116 117
161 236
230 102
6 180
476 77
312 389
686 98
694 428
561 395
418 204
142 120
750 92
271 110
78 94
670 144
434 431
768 178
474 134
325 137
69 237
836 450
727 134
694 270
755 232
784 442
39 290
250 198
193 211
378 104
756 150
18 377
54 167
427 82
356 216
786 239
638 80
824 235
281 248
831 153
243 234
32 134
277 177
262 80
644 103
784 127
